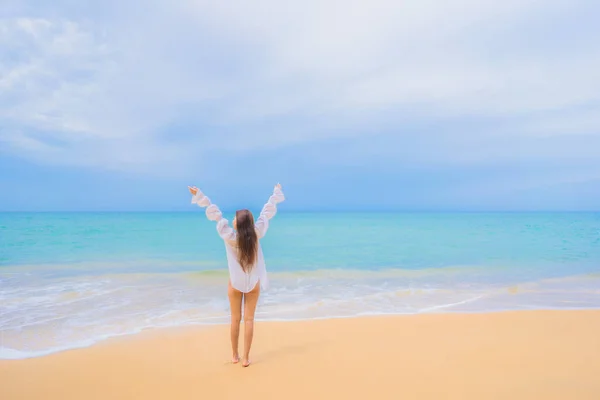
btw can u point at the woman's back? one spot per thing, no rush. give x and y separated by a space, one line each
245 281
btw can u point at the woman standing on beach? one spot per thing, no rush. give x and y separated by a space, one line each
245 260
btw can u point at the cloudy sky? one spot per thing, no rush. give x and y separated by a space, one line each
380 104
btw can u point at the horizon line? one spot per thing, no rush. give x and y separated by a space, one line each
316 211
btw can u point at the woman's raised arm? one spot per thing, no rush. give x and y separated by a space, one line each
269 210
212 213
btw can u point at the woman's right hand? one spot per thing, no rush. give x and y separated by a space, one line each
193 190
278 186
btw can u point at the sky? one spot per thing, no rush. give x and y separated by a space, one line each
350 105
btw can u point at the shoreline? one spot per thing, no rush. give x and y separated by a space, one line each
149 330
518 354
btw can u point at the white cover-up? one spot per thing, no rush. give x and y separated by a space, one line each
240 280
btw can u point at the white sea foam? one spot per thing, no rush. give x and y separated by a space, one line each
43 316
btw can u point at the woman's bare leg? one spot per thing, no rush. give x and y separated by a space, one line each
250 301
235 303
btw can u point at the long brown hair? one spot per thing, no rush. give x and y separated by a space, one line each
247 241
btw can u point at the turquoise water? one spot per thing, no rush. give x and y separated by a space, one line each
71 279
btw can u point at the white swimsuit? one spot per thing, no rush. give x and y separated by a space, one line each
240 280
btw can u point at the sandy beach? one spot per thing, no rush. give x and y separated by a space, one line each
516 355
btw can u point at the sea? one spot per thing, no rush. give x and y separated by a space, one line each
69 280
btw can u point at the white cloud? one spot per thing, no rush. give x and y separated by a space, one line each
348 56
579 121
105 91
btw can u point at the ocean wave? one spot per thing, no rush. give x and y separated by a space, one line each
42 316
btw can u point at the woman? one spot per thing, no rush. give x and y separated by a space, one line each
247 271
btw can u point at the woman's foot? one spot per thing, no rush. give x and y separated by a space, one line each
235 359
246 363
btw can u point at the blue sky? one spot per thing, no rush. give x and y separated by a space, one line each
413 105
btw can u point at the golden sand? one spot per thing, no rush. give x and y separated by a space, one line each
511 355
